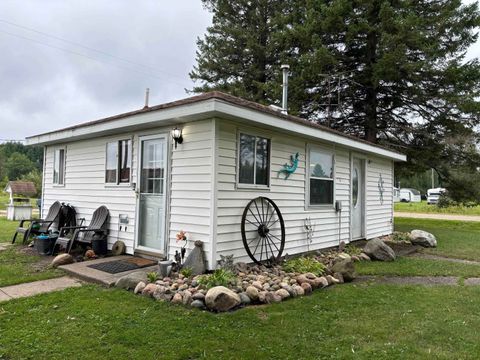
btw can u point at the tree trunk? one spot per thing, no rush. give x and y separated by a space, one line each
371 103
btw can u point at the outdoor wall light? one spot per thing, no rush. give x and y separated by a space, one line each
177 136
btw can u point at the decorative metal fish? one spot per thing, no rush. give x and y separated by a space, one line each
290 169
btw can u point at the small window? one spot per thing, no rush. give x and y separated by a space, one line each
59 167
118 160
321 182
254 160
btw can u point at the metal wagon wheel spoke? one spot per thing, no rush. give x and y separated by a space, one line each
268 228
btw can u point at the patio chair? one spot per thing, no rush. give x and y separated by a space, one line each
84 235
39 226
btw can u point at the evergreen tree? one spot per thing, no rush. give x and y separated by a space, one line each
389 71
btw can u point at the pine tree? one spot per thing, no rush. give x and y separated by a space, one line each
238 54
389 71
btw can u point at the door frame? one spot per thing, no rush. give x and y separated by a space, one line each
166 185
364 160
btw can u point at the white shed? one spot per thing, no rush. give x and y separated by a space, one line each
338 187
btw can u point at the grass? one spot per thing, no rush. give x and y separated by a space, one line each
454 238
423 207
7 229
407 266
17 267
345 322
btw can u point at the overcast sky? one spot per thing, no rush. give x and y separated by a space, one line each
66 62
146 43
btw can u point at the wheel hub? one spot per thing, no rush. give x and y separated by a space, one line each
263 230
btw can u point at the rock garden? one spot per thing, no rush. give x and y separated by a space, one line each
232 286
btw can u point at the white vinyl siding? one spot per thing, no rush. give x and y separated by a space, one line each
288 194
85 187
191 186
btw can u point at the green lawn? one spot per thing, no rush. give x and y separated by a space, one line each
7 229
17 267
423 207
350 321
344 322
455 238
407 266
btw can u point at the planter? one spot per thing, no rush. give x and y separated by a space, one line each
99 246
44 244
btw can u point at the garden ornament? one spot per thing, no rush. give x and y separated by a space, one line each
290 169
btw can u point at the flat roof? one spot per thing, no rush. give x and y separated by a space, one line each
198 107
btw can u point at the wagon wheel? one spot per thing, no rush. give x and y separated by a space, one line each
263 230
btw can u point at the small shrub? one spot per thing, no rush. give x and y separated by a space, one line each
219 277
152 276
304 265
353 250
445 201
186 271
400 236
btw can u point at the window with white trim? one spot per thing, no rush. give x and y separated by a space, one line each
59 167
321 177
253 160
118 162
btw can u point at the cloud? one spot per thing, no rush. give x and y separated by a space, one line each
42 88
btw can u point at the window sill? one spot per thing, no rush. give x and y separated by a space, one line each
58 185
252 187
320 207
116 186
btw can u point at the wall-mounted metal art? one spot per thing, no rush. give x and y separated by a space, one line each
381 188
290 169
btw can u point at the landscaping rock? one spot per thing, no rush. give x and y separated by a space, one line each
261 296
62 259
220 299
244 298
378 250
199 304
139 288
252 293
322 281
307 288
198 296
258 285
339 277
130 281
331 280
177 299
284 294
149 289
364 257
346 268
298 290
271 297
423 238
187 297
196 259
159 292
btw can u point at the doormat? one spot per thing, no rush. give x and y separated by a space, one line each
118 266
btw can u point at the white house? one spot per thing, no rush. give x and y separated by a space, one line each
231 153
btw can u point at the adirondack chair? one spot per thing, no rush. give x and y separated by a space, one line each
84 235
39 226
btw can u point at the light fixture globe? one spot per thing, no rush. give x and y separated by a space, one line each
177 136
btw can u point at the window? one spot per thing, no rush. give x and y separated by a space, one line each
59 167
118 159
253 160
321 182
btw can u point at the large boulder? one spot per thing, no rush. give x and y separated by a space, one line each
378 250
196 259
220 299
423 238
62 259
344 267
130 281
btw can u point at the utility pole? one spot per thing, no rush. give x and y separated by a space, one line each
433 180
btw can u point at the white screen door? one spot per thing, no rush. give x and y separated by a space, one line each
152 185
358 199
